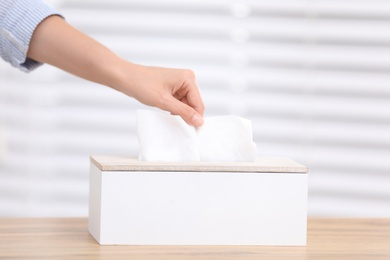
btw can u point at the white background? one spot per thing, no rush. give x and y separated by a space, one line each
313 76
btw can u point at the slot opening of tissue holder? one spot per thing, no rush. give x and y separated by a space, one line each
135 202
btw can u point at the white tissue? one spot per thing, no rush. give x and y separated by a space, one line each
164 137
226 139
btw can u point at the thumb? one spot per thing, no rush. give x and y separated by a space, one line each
190 115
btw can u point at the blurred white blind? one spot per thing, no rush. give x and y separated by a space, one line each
313 76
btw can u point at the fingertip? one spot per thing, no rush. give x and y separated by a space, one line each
197 120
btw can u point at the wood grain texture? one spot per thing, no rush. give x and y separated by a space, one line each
262 164
67 238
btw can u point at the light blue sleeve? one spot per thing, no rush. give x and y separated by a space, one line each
18 20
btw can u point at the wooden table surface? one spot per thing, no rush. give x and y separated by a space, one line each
68 238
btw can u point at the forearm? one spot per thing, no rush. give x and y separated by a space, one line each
57 43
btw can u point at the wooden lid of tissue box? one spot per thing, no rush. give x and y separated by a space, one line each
262 164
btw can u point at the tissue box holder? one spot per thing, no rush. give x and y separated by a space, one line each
157 203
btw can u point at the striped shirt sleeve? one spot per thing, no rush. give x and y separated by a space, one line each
18 20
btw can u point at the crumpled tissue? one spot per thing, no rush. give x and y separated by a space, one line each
168 138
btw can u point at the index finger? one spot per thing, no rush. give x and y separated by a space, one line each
194 98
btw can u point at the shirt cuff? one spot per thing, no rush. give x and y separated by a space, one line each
20 24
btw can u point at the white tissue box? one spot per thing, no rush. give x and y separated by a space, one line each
150 203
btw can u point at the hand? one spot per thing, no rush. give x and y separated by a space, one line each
175 90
